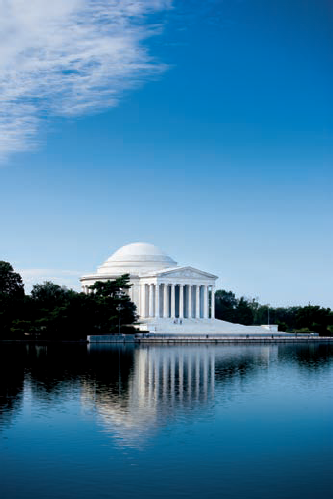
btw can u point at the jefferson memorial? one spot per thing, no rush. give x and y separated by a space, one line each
169 298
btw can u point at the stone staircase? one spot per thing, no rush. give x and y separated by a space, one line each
197 326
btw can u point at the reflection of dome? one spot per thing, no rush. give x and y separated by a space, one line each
136 258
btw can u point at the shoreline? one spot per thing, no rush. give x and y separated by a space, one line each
179 339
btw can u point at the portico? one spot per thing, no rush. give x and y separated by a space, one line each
170 300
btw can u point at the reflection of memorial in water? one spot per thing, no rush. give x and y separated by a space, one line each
173 377
163 381
167 382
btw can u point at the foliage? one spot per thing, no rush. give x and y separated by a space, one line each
10 282
291 319
49 294
11 296
231 309
55 312
113 304
225 305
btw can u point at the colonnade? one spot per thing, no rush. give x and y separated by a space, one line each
183 301
173 375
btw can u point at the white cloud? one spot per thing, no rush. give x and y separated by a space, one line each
68 57
68 278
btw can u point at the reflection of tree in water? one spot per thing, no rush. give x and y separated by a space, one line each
57 371
312 356
110 368
11 382
54 371
234 363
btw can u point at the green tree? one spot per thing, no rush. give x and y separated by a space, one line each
231 309
57 314
11 299
10 282
49 294
225 305
243 313
314 318
114 306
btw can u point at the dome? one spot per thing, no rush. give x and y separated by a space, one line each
135 259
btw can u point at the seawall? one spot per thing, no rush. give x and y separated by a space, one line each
208 338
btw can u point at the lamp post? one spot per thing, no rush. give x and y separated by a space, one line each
119 371
119 310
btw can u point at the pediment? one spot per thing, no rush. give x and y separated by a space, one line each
183 272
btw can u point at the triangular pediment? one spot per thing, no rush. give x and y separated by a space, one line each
183 272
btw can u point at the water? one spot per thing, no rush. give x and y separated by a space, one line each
186 421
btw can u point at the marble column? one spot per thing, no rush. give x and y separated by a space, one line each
143 301
181 301
157 300
189 295
151 300
205 303
173 312
165 301
197 302
213 303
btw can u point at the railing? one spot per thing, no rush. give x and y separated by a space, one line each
228 338
225 335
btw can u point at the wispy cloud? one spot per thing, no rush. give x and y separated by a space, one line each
67 58
68 278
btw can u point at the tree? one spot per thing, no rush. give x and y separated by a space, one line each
244 313
10 282
315 318
114 306
225 305
60 312
49 294
11 298
229 308
55 312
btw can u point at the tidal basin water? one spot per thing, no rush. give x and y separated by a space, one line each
204 421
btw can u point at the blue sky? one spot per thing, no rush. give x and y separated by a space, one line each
204 128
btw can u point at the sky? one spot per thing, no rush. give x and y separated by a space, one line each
202 127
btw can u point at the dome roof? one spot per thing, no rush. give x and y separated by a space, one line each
136 258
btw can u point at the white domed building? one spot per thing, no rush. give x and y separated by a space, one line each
160 289
169 298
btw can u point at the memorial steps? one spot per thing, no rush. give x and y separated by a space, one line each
200 326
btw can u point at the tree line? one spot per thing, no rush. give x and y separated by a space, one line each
55 312
310 318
